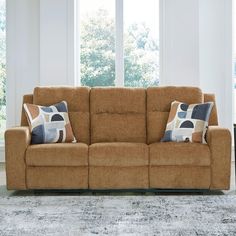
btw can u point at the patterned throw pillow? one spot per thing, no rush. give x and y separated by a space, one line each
49 124
187 123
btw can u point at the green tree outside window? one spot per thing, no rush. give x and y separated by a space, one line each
98 53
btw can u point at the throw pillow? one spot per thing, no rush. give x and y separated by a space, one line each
49 124
187 123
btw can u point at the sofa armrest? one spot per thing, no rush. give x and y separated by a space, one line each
17 140
219 141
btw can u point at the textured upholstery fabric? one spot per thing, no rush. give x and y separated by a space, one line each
160 98
28 98
119 157
57 154
156 125
159 101
57 177
213 117
77 99
118 177
118 115
180 177
118 154
219 141
16 142
49 124
179 154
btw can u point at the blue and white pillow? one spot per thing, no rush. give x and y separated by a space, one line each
49 124
187 123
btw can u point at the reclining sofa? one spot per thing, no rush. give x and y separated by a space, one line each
118 132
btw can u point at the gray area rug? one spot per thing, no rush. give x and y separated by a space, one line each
118 215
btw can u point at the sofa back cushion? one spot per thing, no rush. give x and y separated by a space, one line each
77 99
118 115
159 101
27 98
209 97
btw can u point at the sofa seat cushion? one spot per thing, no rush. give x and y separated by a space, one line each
184 154
118 154
57 154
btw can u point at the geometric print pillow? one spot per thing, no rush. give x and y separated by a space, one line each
187 123
49 124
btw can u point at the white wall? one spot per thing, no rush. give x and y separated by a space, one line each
22 54
197 49
180 43
56 42
215 54
39 44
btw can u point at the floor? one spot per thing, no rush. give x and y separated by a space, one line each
5 192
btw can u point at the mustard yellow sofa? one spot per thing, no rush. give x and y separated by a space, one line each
118 132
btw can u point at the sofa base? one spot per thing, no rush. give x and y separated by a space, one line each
148 191
109 177
162 178
57 177
180 177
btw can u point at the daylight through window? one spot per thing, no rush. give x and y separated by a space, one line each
137 40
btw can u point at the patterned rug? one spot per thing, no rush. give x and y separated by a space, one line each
118 215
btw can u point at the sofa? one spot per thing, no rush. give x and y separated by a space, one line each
118 132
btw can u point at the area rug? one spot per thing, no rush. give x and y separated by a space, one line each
118 215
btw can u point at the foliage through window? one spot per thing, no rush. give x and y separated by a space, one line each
140 42
2 68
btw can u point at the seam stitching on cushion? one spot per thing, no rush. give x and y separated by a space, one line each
118 113
89 111
187 166
88 167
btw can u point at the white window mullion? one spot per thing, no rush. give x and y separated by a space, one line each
119 50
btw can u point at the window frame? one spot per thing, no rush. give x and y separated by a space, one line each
119 42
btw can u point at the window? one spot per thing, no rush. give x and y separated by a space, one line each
97 42
119 43
2 68
141 47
